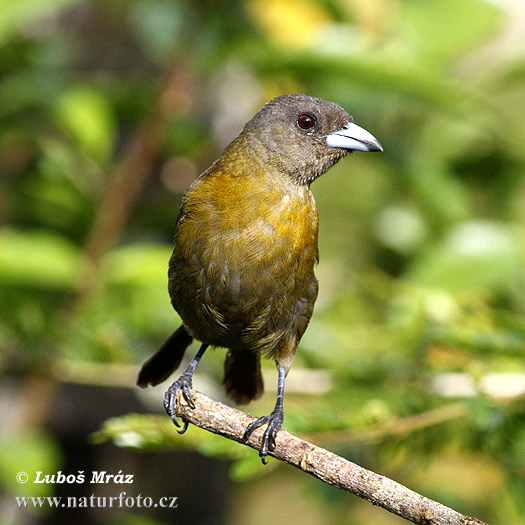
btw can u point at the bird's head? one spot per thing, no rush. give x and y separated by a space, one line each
304 136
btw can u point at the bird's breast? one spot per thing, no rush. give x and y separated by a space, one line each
244 255
244 222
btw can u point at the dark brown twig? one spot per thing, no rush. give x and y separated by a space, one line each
126 183
231 423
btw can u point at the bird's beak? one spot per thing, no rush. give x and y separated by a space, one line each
351 136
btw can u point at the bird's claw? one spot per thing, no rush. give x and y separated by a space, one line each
274 423
184 383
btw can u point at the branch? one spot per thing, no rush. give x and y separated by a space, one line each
125 185
231 423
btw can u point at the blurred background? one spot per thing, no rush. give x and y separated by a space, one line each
413 363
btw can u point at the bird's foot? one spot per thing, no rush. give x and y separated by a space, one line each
185 384
275 422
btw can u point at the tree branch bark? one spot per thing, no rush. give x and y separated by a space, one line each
218 418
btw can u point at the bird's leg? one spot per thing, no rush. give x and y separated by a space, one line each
185 382
274 421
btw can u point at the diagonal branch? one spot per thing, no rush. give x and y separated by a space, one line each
327 466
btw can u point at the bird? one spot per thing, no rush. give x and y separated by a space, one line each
241 275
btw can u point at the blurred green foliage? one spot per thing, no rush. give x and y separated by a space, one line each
422 247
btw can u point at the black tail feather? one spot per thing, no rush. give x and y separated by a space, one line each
166 360
242 376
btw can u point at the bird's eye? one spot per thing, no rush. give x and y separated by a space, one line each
306 122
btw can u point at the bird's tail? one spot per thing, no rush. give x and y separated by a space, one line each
242 376
166 360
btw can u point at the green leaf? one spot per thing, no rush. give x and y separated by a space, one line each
475 254
140 264
17 14
88 116
442 30
37 259
27 452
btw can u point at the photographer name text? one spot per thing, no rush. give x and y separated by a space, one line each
97 476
